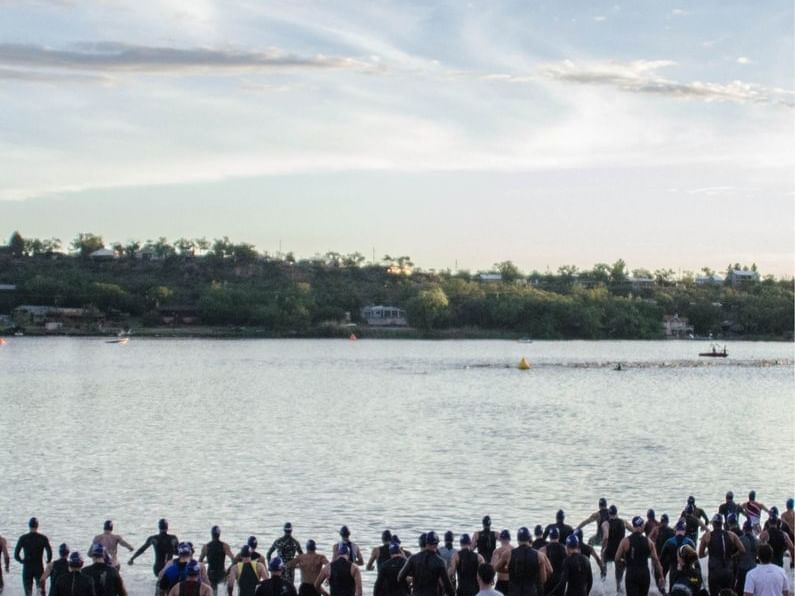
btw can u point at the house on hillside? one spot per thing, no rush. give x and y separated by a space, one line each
178 314
55 318
384 316
675 326
641 283
103 254
741 278
490 277
709 280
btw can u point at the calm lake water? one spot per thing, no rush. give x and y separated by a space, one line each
408 435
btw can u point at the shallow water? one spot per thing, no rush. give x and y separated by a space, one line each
409 435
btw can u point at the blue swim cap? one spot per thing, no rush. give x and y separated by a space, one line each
184 550
75 560
523 534
276 564
108 525
681 526
560 515
215 531
637 522
96 550
790 503
386 536
553 533
505 535
578 533
538 531
432 538
342 549
465 539
449 536
345 532
63 550
717 519
572 541
613 510
311 545
731 518
664 518
395 538
192 568
252 542
394 549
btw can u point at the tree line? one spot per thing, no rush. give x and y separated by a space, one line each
230 283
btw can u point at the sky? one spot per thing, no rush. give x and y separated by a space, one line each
458 133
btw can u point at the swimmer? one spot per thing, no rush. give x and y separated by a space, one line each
216 552
354 552
464 565
287 548
111 542
427 570
505 546
246 574
576 578
636 550
485 540
55 569
387 583
527 568
599 516
310 563
33 546
344 578
106 579
277 584
722 546
192 584
164 545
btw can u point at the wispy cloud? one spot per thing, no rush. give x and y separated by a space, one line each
641 76
113 57
37 76
600 18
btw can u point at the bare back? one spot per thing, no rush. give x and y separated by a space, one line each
310 565
496 556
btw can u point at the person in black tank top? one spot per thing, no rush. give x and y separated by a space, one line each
526 567
778 540
428 570
387 583
599 516
576 578
636 550
276 584
486 539
380 554
613 532
556 553
722 547
215 552
56 569
465 565
344 578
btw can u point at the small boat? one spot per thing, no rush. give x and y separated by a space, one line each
119 340
715 352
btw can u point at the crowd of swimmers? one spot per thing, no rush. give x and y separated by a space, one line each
554 560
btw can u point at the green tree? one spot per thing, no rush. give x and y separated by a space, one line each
162 248
428 309
16 245
509 271
185 246
85 243
244 253
131 249
618 272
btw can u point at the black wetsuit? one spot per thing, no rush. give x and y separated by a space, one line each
687 582
729 507
556 553
776 540
74 583
604 515
276 586
107 581
575 576
692 525
664 533
564 530
33 545
60 567
486 544
341 582
637 561
746 561
165 546
216 558
719 564
383 556
617 532
247 578
387 584
539 543
523 568
467 573
428 570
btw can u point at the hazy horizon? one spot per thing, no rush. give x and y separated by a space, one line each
469 132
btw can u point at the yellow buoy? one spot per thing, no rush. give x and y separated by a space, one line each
524 364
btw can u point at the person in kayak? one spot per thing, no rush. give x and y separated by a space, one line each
380 554
192 584
164 545
107 581
216 552
722 547
354 552
599 516
387 583
344 578
310 563
287 548
505 546
464 567
564 530
636 550
485 539
427 570
111 542
277 584
576 578
246 574
33 547
74 583
528 569
55 569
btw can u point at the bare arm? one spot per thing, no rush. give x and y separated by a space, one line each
203 554
702 545
373 557
44 577
262 571
622 548
453 565
125 544
228 552
656 559
357 579
359 560
544 568
230 580
588 520
605 537
4 550
322 576
738 544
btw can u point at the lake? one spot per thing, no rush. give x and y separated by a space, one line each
410 435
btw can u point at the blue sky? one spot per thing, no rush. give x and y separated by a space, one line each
547 133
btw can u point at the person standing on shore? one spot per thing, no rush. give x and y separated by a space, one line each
33 546
287 548
721 546
576 578
427 570
613 532
354 552
464 567
485 540
387 583
344 578
216 552
528 568
247 574
311 564
164 545
599 516
74 583
111 542
636 550
505 546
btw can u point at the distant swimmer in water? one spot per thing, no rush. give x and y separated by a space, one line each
344 578
111 542
164 545
505 546
464 566
216 552
618 367
311 564
600 517
354 552
485 540
636 550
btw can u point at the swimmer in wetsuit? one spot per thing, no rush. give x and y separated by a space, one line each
380 554
613 532
427 570
576 578
33 546
564 530
6 559
464 567
387 583
344 578
485 540
600 517
55 569
354 552
636 550
216 552
505 546
528 569
164 545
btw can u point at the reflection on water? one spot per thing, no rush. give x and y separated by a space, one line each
403 434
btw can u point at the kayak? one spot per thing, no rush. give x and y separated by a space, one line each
714 354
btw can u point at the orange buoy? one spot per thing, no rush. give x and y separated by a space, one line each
353 337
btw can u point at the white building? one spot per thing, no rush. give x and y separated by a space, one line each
739 277
384 316
490 277
674 326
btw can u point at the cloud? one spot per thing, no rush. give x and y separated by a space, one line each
744 60
641 76
600 18
37 76
112 57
